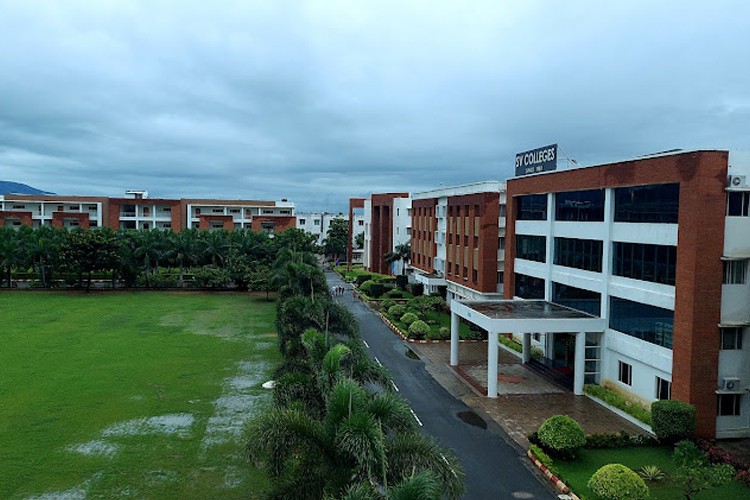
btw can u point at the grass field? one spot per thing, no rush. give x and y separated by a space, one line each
131 394
577 473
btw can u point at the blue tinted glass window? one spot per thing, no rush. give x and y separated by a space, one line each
580 205
531 247
577 298
532 207
655 263
649 323
657 203
580 254
528 287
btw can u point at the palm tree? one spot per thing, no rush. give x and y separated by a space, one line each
9 252
402 252
184 251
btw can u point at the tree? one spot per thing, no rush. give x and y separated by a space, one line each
86 251
41 249
9 252
401 253
694 471
260 279
337 239
296 241
185 251
359 240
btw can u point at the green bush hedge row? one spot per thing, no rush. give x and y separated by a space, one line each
619 401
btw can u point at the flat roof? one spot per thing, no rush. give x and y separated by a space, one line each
525 309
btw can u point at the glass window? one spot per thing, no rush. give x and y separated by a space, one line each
625 373
649 323
654 203
580 205
737 203
728 405
531 247
735 272
577 298
532 207
731 338
655 263
528 287
663 389
580 254
302 222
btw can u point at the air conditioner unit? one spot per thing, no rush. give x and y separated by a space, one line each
729 384
736 181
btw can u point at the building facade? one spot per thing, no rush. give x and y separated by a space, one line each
458 239
387 222
141 212
659 249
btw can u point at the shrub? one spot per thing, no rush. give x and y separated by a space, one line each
396 294
417 289
615 481
163 280
376 290
673 420
619 439
562 435
362 278
387 304
543 458
396 311
366 286
402 281
419 329
409 318
211 277
444 332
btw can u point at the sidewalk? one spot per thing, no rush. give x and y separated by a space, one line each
525 399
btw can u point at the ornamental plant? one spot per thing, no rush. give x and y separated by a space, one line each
366 286
617 482
673 420
562 436
396 311
409 318
419 329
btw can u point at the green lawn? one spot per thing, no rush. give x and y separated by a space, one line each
577 473
131 394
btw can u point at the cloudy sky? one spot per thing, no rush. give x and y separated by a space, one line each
317 101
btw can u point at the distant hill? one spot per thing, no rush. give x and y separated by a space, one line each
8 187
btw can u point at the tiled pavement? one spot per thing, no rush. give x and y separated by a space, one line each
526 399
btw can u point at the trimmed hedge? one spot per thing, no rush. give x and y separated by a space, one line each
620 402
419 329
615 482
396 311
561 435
409 318
673 420
376 290
543 458
402 281
362 278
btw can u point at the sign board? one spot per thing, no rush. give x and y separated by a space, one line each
537 160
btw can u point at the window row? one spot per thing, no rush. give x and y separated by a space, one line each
625 375
655 263
655 203
580 254
649 323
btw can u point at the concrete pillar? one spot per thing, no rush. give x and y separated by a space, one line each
526 352
492 365
454 339
580 363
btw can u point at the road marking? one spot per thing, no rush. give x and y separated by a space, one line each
365 343
448 464
378 361
416 417
394 386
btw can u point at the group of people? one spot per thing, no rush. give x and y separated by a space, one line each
338 291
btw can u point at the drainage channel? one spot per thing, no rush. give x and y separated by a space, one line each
472 418
411 354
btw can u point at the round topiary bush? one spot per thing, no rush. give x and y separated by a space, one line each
396 311
561 435
418 329
387 304
673 420
409 318
366 286
615 482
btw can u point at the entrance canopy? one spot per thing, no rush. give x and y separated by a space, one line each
523 317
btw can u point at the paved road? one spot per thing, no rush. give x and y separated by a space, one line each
494 469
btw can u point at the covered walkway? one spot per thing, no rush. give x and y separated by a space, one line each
523 317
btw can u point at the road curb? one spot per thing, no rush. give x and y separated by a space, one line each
556 482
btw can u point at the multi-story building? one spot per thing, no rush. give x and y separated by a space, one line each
317 224
141 212
387 224
658 248
458 238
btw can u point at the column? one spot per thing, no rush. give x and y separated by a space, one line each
454 339
492 365
580 363
526 352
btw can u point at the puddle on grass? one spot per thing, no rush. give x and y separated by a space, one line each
411 354
78 492
472 418
94 448
175 423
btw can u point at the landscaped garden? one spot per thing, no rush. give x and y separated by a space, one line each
622 466
132 394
